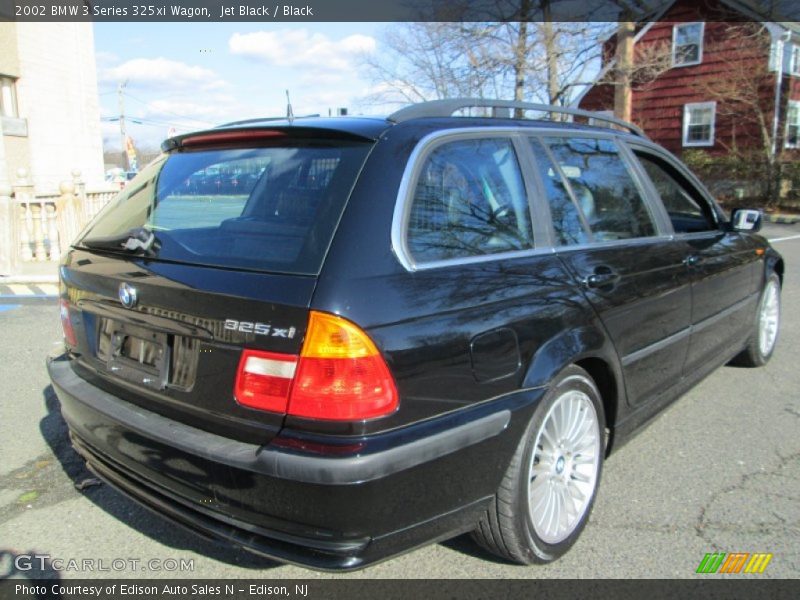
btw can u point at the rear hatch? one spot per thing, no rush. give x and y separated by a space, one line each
215 247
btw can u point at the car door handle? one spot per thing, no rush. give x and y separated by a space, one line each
691 260
601 279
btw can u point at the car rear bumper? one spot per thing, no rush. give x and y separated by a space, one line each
328 506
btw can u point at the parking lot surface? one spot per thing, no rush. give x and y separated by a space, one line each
718 471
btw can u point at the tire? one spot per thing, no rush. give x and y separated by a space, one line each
521 524
762 342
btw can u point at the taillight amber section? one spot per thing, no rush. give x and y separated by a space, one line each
330 336
341 374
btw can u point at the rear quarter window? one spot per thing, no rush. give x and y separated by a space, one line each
469 200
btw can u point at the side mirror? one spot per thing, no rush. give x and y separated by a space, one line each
745 219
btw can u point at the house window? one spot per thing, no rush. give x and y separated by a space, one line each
792 139
8 97
687 44
698 123
794 67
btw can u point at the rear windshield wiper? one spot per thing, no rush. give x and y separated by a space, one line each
136 241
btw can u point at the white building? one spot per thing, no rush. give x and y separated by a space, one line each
48 103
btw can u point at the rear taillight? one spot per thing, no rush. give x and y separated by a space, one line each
340 375
66 323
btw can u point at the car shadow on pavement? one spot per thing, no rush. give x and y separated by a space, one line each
55 432
464 544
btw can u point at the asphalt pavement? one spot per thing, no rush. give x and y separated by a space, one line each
718 471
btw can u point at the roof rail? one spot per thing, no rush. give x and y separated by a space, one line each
501 108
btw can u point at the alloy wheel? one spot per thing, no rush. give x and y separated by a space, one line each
564 466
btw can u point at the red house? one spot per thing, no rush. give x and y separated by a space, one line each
717 78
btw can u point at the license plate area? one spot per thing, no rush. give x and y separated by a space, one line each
139 355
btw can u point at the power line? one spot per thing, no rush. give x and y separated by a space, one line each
169 112
146 121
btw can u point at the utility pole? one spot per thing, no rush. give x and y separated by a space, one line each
121 99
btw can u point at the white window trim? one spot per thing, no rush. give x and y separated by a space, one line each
794 68
10 96
796 105
700 44
687 108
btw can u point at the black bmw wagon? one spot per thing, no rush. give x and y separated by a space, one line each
330 341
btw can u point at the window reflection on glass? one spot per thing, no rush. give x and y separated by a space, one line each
603 188
209 195
687 210
687 44
271 208
469 200
563 212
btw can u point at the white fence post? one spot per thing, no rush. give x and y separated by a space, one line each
8 228
23 199
71 217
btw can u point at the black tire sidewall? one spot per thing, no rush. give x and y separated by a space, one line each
571 378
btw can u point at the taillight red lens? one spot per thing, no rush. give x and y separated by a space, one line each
264 380
341 375
66 323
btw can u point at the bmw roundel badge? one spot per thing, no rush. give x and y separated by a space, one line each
127 295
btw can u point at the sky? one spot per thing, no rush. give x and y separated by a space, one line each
195 75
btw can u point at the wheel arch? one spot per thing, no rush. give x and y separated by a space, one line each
774 263
588 348
778 267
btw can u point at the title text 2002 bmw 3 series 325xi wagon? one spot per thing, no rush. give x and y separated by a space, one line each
333 340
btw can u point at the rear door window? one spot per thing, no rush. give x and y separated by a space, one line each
603 188
469 200
269 208
564 214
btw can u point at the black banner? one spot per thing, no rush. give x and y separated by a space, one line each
143 11
383 589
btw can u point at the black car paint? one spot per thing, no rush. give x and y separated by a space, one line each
645 337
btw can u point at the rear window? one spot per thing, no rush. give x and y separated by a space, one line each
268 208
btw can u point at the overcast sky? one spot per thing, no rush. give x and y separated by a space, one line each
195 75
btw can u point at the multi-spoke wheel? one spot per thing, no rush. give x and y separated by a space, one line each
549 488
564 466
761 344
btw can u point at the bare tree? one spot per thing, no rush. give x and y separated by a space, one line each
744 96
427 61
642 64
530 58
